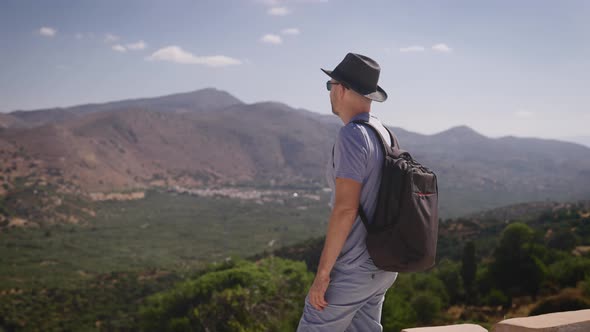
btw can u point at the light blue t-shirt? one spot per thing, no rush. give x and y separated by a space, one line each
357 156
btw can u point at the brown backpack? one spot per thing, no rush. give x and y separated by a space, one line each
403 234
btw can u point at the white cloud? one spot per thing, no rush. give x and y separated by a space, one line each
178 55
279 2
413 48
278 11
524 114
270 2
444 48
79 36
140 45
119 48
109 38
271 39
291 31
47 32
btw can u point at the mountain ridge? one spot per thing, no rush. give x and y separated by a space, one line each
266 144
197 100
228 100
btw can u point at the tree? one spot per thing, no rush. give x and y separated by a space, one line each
535 272
449 273
469 269
515 268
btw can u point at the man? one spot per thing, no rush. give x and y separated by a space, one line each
348 291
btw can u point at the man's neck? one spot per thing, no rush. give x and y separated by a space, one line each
349 115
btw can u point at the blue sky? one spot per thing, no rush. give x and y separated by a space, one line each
517 68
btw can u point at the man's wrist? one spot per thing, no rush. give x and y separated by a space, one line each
323 274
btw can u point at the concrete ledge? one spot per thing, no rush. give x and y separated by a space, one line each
569 321
449 328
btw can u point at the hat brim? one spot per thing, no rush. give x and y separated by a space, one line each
380 95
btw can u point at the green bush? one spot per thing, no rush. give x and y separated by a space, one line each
567 273
549 256
415 299
497 298
263 296
450 274
397 312
427 307
483 280
469 270
563 239
429 283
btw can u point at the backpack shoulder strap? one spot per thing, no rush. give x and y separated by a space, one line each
394 149
385 148
394 142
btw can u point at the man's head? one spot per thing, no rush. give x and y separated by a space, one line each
353 85
346 101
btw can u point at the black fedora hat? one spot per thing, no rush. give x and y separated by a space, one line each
361 74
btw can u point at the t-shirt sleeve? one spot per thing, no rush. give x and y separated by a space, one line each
350 154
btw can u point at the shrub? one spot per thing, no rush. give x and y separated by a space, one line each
427 307
262 296
563 239
450 274
469 268
397 312
569 272
483 280
496 298
414 299
429 283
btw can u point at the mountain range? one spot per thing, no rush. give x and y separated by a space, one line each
209 138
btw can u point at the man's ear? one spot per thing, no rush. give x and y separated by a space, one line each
341 91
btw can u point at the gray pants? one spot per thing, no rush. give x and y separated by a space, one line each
355 299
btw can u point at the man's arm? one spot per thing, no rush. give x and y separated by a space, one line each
344 212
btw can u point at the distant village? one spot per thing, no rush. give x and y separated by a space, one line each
259 196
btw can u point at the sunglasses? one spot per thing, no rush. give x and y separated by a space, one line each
330 83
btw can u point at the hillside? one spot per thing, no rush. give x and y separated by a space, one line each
125 273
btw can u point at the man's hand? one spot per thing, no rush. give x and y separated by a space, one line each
318 291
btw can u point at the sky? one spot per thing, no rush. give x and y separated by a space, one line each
519 68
